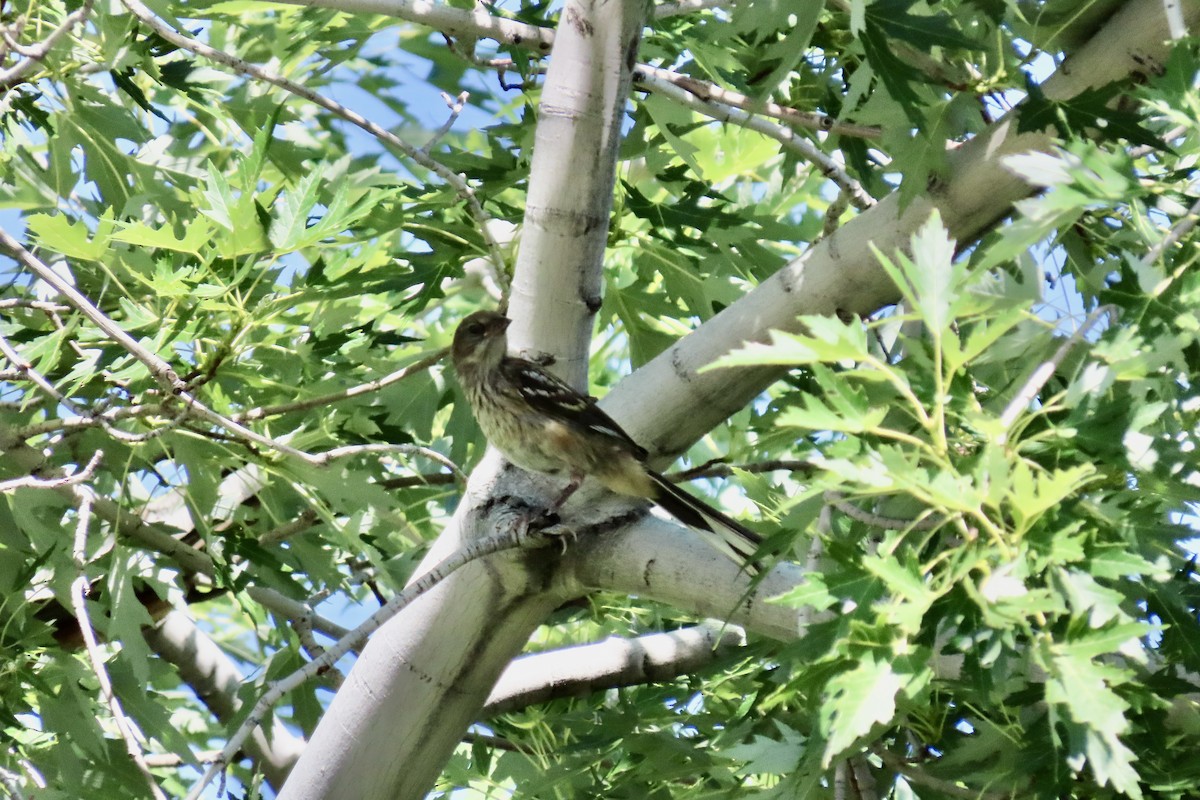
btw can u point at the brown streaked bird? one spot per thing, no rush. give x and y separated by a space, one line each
544 425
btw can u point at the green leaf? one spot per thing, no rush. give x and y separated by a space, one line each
1091 113
854 702
827 340
925 30
290 219
195 236
69 237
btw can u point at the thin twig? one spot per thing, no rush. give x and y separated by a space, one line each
780 133
1177 232
322 459
518 537
711 93
164 760
456 105
288 608
345 394
31 482
443 17
307 519
838 501
79 590
38 305
718 468
1046 369
453 179
91 420
159 369
29 373
420 479
37 52
11 781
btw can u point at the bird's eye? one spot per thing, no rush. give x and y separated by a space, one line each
475 328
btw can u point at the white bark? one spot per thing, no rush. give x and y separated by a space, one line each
584 669
425 675
203 665
556 284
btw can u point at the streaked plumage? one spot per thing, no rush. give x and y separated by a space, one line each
544 425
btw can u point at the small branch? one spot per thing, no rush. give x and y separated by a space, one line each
85 474
354 391
711 93
838 501
79 590
163 760
328 456
717 468
91 420
448 19
159 369
781 133
1046 369
37 52
584 669
27 371
307 519
38 305
420 479
518 537
456 106
1177 232
11 782
288 608
454 180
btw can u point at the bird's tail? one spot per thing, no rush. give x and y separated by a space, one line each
723 532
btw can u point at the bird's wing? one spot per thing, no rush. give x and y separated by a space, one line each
558 399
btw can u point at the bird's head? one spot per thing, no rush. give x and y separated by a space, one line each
480 340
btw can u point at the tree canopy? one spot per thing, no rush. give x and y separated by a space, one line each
907 287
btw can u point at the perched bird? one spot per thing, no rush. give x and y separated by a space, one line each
542 424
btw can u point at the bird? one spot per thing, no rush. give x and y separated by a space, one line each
543 424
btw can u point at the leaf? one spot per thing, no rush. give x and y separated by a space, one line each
932 275
926 31
827 340
290 219
1083 688
69 237
854 702
195 236
1090 113
770 756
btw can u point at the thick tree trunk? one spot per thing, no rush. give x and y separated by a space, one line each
426 674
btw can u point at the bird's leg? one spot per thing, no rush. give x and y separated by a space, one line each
568 490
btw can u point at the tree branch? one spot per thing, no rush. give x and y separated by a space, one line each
79 590
35 53
518 537
584 669
354 391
